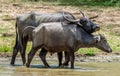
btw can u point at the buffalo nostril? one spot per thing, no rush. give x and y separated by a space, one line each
97 28
110 51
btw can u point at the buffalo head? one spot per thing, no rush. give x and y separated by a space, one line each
102 44
85 23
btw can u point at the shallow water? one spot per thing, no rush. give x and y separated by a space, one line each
81 69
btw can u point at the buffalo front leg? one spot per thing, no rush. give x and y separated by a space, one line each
60 56
42 55
31 55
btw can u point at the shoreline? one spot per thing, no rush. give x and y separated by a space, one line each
100 57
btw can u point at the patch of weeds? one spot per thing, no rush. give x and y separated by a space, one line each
3 30
6 44
115 32
114 27
88 51
5 16
115 45
113 41
5 48
110 26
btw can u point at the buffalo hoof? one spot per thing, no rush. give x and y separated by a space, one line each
27 65
24 63
61 66
47 66
72 67
65 64
12 63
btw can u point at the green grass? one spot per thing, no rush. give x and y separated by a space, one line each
88 51
5 48
2 30
6 44
79 2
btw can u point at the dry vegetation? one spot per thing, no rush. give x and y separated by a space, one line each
109 20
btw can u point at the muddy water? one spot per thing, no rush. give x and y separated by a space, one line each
81 69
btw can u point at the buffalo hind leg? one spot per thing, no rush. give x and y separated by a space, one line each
67 59
72 57
60 56
42 55
31 55
15 52
23 49
15 49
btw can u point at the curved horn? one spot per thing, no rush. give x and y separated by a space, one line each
93 17
70 19
82 14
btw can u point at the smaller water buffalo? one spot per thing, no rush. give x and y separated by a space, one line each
59 36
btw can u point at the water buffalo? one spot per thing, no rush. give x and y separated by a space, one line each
34 19
59 36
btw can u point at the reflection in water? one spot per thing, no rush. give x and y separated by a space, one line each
81 69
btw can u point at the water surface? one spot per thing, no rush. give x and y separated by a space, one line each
81 69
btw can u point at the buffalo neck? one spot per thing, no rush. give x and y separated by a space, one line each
85 39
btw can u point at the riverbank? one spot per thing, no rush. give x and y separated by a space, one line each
100 57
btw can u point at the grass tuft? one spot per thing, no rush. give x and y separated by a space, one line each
4 48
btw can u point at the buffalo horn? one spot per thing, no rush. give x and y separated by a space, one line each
82 14
74 21
93 17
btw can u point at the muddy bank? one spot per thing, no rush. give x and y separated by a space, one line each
100 57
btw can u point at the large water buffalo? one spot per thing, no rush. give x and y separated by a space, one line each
60 36
34 19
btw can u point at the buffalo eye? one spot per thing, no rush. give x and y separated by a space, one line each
94 20
83 21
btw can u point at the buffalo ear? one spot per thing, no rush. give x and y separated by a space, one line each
97 38
102 36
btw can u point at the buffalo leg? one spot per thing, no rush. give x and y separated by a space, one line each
60 58
67 59
72 57
42 55
15 49
23 49
15 52
31 55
